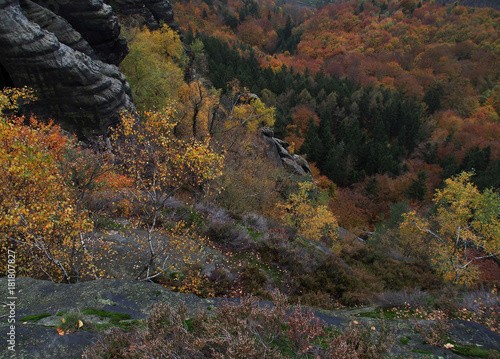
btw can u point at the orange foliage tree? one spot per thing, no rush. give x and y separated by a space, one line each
40 219
197 107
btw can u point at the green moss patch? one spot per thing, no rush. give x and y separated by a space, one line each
475 351
254 234
127 325
114 318
419 351
35 318
386 314
189 325
107 223
404 341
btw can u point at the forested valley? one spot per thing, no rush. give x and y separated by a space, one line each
368 106
333 155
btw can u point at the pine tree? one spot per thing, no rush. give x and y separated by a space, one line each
418 188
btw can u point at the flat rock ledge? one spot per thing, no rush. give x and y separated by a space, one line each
41 340
34 297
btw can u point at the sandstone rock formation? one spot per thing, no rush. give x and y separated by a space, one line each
276 150
94 20
67 50
63 62
150 13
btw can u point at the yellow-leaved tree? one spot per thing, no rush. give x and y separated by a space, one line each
250 112
39 217
154 66
313 221
160 164
12 97
198 104
464 229
239 115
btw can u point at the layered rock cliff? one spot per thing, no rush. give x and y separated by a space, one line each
150 13
68 51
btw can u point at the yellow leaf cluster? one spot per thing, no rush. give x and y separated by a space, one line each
251 114
10 98
157 160
464 229
312 222
202 162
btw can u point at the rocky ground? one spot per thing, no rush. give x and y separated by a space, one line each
40 339
39 306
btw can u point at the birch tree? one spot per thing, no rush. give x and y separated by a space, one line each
464 229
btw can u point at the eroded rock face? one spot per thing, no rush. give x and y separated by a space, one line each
95 21
68 51
150 13
55 24
276 151
40 49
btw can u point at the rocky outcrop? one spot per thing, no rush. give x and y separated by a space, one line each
42 50
68 52
55 24
38 338
276 150
95 21
150 13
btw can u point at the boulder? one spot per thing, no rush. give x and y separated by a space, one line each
271 151
301 161
293 167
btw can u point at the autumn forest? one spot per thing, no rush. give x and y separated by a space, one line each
394 104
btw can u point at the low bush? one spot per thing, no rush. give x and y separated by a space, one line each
219 231
436 333
317 300
255 221
243 330
279 249
190 280
254 279
220 283
70 323
391 274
